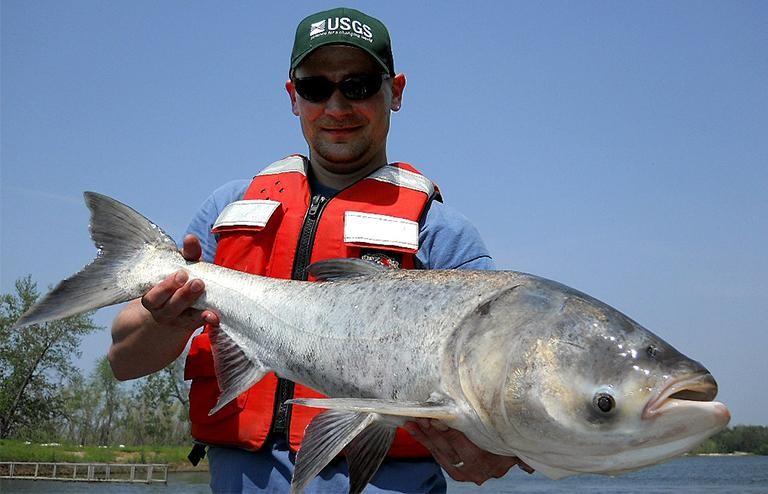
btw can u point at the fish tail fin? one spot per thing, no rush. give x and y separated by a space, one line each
121 234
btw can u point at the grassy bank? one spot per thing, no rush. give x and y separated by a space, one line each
175 456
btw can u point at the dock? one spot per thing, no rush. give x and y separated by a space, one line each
145 473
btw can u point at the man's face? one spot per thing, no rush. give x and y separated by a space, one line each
344 135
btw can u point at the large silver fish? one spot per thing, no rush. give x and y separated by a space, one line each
522 365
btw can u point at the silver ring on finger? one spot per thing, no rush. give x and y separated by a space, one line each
458 464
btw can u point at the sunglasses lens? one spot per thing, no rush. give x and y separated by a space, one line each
360 87
318 89
314 89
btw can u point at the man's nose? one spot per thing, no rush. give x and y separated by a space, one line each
337 105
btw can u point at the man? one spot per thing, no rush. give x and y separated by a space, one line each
342 86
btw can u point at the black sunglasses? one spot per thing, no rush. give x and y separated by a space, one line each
357 87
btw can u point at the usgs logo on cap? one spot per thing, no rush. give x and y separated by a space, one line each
340 25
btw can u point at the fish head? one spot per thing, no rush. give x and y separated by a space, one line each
573 386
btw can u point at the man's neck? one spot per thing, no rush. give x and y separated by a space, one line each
341 181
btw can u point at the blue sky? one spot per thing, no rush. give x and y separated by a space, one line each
619 148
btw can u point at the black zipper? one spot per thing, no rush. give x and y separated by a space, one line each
307 238
281 421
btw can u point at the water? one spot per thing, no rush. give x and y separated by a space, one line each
726 474
693 474
182 482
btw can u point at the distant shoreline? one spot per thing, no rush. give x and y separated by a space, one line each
735 453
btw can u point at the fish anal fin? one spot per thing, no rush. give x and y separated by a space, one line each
324 438
366 452
427 409
235 371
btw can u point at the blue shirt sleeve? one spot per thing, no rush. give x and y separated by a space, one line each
202 222
447 240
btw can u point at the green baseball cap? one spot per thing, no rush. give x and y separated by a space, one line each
343 26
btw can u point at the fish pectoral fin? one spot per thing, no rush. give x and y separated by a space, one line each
324 438
366 452
339 269
235 371
420 409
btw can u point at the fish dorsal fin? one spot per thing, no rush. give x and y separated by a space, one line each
235 371
340 269
366 452
324 438
426 409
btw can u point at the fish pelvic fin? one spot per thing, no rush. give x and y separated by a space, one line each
439 410
366 452
120 233
329 433
365 426
235 371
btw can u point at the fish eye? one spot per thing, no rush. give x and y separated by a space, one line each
604 402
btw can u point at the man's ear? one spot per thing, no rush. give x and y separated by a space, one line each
289 87
398 85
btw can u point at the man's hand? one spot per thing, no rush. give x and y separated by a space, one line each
170 301
151 332
459 456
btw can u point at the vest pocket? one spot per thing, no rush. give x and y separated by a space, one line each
248 214
380 231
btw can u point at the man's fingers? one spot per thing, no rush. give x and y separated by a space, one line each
191 248
432 435
182 299
171 297
415 431
498 466
159 295
211 318
439 425
525 467
459 457
190 318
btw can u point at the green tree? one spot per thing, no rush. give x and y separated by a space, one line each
158 413
745 438
79 412
35 361
108 388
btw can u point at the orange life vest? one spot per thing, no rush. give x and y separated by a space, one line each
276 230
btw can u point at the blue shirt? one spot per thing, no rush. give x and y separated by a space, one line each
447 240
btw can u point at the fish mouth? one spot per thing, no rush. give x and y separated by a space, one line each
697 388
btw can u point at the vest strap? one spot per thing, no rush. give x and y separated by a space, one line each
403 178
292 163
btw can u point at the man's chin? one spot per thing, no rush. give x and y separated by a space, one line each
342 161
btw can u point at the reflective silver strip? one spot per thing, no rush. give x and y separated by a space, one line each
288 164
248 212
403 178
378 229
